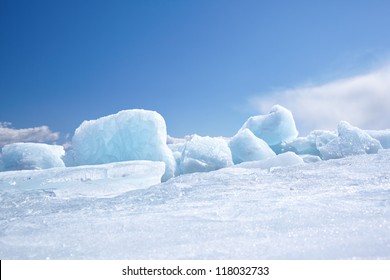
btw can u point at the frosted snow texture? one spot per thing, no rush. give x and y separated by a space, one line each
128 135
30 156
350 141
245 146
281 160
94 180
202 154
274 128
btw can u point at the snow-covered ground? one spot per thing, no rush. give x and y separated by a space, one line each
335 209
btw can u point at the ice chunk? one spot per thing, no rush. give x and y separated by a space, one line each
177 149
350 141
383 136
276 127
202 154
93 180
309 144
28 156
1 163
281 160
301 145
354 141
310 158
128 135
245 146
324 137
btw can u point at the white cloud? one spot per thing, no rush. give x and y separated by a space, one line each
363 100
40 134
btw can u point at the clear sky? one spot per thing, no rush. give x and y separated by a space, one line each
203 65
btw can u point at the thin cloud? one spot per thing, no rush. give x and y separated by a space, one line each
363 100
40 134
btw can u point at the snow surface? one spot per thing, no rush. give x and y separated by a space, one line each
274 128
335 209
245 146
95 180
30 156
128 135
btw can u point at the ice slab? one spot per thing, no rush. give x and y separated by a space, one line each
31 156
128 135
94 180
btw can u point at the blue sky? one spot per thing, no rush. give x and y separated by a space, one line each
204 65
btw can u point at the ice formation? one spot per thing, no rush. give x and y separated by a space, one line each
281 160
202 154
275 208
29 156
96 180
274 128
245 146
350 141
128 135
